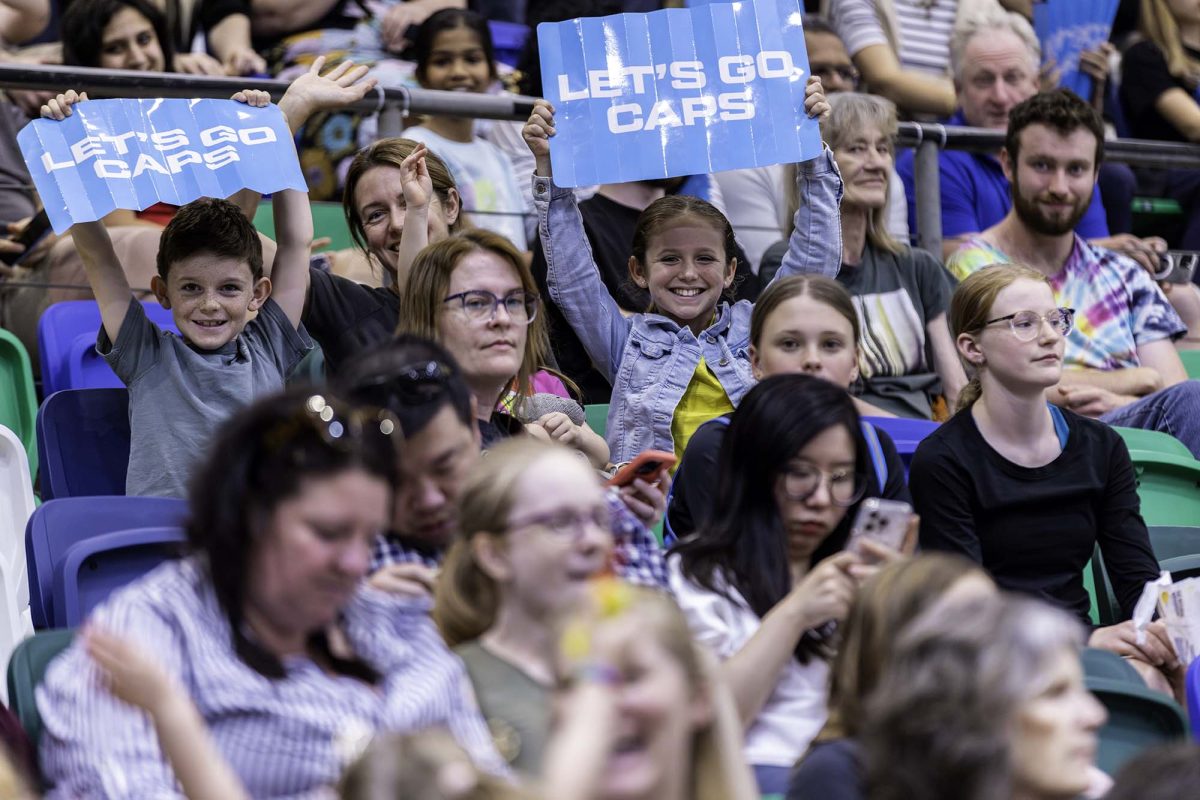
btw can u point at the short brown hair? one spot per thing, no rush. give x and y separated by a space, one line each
818 287
210 225
1061 110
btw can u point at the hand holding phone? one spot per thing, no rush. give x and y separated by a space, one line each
882 521
646 465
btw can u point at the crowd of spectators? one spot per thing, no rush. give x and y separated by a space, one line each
408 579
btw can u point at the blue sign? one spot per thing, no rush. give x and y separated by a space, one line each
1066 28
112 154
682 91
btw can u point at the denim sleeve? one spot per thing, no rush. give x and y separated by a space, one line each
815 245
574 281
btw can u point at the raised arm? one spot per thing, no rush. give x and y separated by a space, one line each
571 272
418 192
313 92
21 20
815 244
104 271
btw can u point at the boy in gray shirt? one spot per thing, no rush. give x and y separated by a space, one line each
210 275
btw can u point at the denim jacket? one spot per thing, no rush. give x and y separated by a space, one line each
648 358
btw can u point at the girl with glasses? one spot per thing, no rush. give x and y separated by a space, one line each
766 573
1025 488
535 530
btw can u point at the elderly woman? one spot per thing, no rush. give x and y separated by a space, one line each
291 660
987 703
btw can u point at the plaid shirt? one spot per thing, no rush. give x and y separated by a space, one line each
637 555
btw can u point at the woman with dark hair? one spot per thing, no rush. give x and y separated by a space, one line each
117 34
292 661
986 703
765 574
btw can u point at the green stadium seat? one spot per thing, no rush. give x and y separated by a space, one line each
597 417
18 398
1170 541
1152 441
1191 362
329 219
1138 718
1169 487
25 671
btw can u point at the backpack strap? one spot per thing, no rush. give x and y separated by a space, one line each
878 460
669 536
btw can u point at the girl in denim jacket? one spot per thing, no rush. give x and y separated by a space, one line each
686 360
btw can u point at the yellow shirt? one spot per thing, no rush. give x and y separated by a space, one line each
703 400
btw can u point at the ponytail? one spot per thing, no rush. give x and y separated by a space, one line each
465 598
969 394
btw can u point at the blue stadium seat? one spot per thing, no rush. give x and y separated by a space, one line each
59 524
83 443
1193 697
95 567
59 330
508 40
906 433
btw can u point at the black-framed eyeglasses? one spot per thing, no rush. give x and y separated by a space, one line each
1026 325
567 523
481 305
845 487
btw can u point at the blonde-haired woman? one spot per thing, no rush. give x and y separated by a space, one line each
1160 78
642 713
534 529
1025 488
901 294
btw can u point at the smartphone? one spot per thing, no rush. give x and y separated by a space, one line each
37 227
1177 266
645 465
882 521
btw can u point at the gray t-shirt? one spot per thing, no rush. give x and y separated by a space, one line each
178 395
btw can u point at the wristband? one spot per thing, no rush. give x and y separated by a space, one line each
598 673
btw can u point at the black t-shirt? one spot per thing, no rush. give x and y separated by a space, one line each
1144 79
346 318
830 770
694 489
609 226
1034 529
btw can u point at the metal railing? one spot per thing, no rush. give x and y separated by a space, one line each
929 139
393 104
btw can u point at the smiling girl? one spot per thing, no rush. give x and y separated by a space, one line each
686 360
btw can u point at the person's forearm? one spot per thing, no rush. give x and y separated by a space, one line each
231 33
21 20
592 445
198 764
1135 381
413 239
575 756
911 91
293 239
281 17
753 672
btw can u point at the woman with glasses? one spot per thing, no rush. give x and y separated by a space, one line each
292 661
1025 488
765 574
535 530
474 294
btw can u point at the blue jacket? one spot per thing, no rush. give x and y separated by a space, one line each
648 358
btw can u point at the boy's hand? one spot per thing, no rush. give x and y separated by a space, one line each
815 104
255 98
537 133
313 92
59 108
415 180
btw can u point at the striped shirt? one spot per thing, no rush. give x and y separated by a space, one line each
637 555
924 29
286 738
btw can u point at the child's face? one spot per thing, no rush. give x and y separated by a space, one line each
457 62
685 271
211 297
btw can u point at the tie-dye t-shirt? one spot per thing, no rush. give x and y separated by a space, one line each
1118 307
